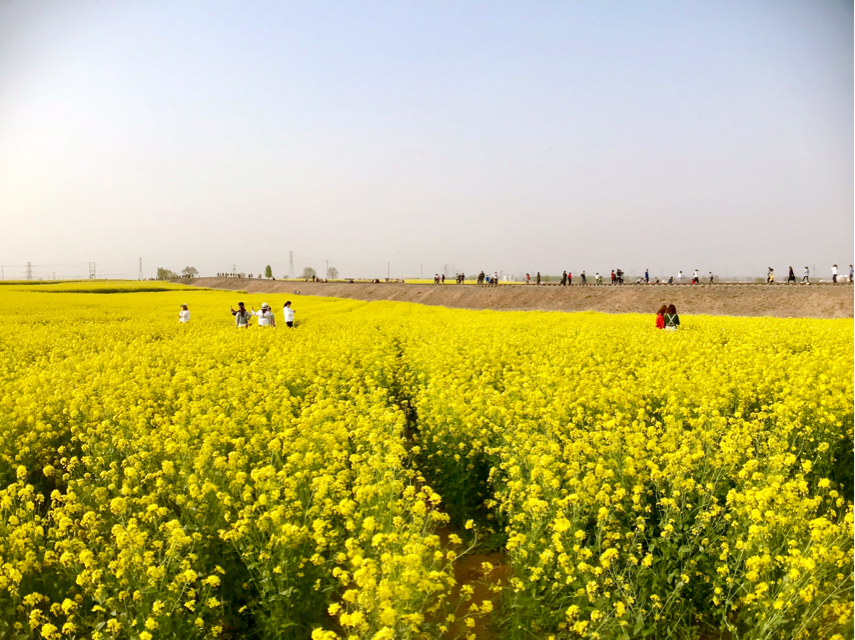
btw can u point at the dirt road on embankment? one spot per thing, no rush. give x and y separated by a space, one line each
778 300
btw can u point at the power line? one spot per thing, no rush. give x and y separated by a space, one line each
91 270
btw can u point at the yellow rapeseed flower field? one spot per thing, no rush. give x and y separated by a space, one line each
166 480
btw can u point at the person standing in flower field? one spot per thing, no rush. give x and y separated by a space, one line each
660 317
265 316
672 320
242 316
288 314
184 314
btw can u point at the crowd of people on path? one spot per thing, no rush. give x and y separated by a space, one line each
243 317
616 277
241 275
791 275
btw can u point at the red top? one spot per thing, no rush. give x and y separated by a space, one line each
660 321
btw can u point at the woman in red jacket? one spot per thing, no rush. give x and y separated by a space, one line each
660 317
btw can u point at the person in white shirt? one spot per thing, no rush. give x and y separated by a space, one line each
184 314
680 276
834 273
806 276
288 315
265 316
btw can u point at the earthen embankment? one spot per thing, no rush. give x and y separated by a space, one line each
779 300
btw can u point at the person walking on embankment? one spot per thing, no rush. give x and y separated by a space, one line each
791 277
806 276
834 274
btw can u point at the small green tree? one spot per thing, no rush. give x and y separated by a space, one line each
268 272
309 273
332 273
165 274
189 272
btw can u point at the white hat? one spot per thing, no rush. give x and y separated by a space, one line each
264 305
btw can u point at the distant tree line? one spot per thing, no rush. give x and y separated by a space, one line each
167 274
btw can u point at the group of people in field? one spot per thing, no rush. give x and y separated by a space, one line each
667 318
264 315
243 317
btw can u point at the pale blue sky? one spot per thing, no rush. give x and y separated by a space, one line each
514 136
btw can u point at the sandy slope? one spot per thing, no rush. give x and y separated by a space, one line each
781 300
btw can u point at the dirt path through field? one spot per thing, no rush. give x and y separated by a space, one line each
779 300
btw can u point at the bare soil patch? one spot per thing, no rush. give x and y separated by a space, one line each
778 300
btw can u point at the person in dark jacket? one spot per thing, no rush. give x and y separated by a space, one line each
791 277
672 320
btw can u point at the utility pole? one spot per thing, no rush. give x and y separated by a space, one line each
421 272
91 270
388 271
140 276
29 271
54 276
291 266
